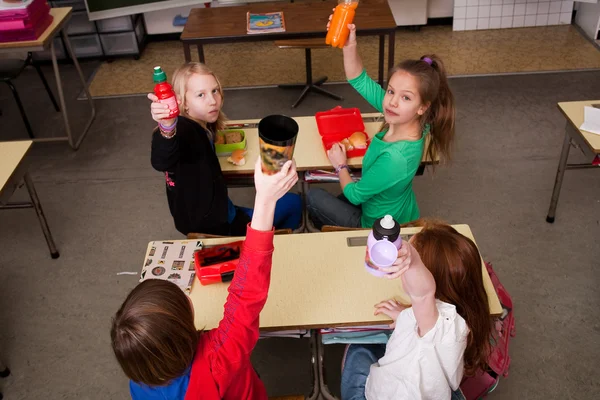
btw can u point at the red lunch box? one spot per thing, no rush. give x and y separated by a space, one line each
217 264
338 124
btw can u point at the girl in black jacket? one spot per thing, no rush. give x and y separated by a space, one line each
183 148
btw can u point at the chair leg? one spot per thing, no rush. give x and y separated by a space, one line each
320 81
302 96
21 109
326 93
45 82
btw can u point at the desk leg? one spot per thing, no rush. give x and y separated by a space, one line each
391 50
301 181
35 201
200 53
319 382
61 96
186 52
381 58
560 173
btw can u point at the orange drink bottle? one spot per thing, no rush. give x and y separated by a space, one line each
342 16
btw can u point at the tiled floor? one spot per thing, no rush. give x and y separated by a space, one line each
550 48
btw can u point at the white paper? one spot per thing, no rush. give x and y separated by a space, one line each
591 120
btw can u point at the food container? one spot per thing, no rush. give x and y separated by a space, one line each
338 124
226 149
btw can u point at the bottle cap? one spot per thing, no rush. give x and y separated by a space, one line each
387 222
386 227
159 75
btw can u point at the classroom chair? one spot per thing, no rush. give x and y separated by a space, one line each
193 235
10 69
307 45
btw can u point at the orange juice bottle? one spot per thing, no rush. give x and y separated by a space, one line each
342 16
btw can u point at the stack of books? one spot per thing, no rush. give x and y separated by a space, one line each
23 19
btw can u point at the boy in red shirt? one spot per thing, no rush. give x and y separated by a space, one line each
153 334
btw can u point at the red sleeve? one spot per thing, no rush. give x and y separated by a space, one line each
232 342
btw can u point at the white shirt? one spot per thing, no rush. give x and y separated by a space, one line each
421 368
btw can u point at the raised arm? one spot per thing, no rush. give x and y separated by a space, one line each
418 283
165 147
232 342
353 65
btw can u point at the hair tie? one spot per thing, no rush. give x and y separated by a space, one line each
427 60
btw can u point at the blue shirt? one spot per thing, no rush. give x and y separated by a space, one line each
175 390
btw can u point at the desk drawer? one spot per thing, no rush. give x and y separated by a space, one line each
80 24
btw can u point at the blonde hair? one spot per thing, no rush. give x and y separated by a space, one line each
181 76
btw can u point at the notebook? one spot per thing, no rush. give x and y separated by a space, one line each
265 23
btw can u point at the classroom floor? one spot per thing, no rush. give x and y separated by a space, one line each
104 203
549 48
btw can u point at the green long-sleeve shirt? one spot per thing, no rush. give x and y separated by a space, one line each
388 168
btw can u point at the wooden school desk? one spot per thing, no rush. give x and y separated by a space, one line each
61 15
13 170
317 281
309 152
588 142
303 20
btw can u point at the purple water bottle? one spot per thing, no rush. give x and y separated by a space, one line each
383 244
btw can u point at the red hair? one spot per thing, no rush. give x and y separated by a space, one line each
455 263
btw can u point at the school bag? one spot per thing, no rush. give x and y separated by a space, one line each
478 386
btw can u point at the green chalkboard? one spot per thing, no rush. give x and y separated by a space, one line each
103 5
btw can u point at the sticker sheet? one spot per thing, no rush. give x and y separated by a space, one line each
172 261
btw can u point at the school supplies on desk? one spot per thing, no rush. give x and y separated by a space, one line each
218 263
171 261
327 176
265 23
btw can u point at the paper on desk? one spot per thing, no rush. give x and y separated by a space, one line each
591 120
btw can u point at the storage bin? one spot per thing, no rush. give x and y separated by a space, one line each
118 24
45 54
338 124
78 5
80 24
119 43
86 45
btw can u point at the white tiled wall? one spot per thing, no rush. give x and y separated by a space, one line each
498 14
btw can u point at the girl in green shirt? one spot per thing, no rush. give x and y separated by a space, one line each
416 103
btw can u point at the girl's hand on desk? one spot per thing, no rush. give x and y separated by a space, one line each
160 111
273 187
337 155
391 308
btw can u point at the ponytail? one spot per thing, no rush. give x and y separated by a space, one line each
441 114
433 90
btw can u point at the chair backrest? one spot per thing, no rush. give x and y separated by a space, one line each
194 235
331 228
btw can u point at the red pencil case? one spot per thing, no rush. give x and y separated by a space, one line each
338 124
217 264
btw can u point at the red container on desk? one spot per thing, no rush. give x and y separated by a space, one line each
217 264
338 124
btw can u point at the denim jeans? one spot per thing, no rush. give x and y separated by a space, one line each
356 367
327 209
288 212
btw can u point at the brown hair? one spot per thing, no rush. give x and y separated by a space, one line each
179 82
433 90
455 263
153 334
